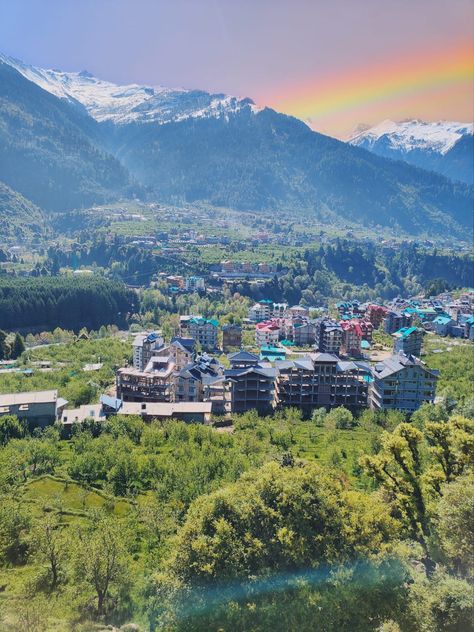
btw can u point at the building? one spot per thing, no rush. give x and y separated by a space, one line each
394 321
191 382
351 338
144 346
263 310
267 333
403 383
204 332
328 336
301 332
35 408
195 284
154 384
250 388
376 314
231 337
297 311
408 340
442 324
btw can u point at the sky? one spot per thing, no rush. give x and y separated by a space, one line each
336 64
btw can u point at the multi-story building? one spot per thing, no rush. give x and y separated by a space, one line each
328 336
408 340
190 382
267 333
263 310
351 386
351 338
204 331
194 283
303 333
442 324
250 388
297 311
395 320
154 384
231 337
403 383
144 347
376 314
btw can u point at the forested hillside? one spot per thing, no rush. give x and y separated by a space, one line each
49 150
19 218
67 302
268 161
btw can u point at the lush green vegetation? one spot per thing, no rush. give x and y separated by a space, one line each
19 218
329 524
63 367
67 302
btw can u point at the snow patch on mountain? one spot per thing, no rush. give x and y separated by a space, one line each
106 101
406 136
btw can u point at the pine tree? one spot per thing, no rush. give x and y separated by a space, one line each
18 346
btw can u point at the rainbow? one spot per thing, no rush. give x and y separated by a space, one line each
414 76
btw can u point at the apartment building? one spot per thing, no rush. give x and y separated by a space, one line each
408 340
403 383
154 384
395 320
267 333
250 388
194 284
204 331
190 382
328 336
144 347
351 338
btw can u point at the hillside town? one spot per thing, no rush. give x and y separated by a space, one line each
205 372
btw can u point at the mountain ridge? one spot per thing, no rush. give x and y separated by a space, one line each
446 147
208 148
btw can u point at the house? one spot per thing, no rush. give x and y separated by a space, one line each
408 340
376 314
297 311
192 380
261 311
402 382
154 384
231 337
36 408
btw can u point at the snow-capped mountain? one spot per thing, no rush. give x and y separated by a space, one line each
443 146
106 101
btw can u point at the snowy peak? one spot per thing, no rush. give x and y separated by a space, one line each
407 136
106 101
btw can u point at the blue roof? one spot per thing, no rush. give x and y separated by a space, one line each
442 320
111 402
404 332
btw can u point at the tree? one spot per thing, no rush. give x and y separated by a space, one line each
455 523
4 348
14 527
51 545
18 346
278 518
101 560
10 428
339 418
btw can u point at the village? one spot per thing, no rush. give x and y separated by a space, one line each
296 359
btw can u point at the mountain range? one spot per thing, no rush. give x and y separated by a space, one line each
69 140
443 146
